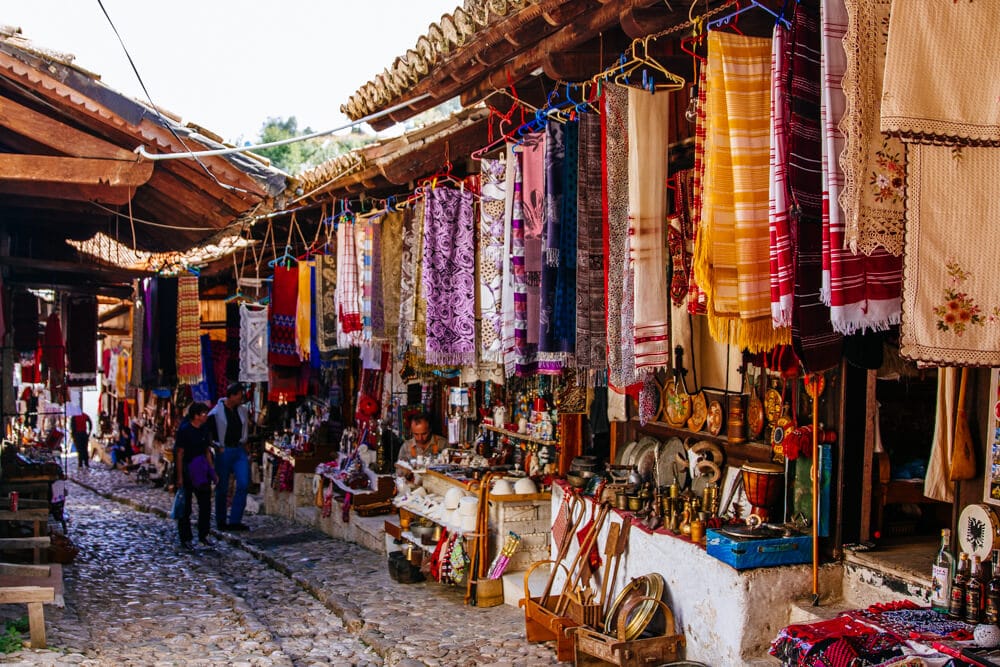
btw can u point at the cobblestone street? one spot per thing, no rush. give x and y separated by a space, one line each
280 594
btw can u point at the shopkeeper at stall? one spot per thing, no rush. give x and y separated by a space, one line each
421 442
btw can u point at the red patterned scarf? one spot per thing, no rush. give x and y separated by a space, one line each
281 313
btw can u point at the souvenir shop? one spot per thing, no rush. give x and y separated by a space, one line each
685 326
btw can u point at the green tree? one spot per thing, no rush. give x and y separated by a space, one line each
302 155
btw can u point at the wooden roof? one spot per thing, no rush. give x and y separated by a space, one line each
68 169
490 44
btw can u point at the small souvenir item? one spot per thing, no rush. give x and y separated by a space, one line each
699 412
772 404
755 411
782 426
714 419
677 404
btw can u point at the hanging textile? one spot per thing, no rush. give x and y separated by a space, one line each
936 47
150 333
203 391
779 227
253 344
591 341
863 290
557 298
648 140
232 342
303 308
315 360
364 238
81 343
628 370
25 321
680 243
286 383
614 127
491 257
526 283
509 356
166 324
420 317
391 260
937 484
818 346
378 305
951 298
697 299
138 326
448 278
409 261
732 261
220 364
121 369
348 297
533 215
189 365
874 164
326 303
281 317
54 358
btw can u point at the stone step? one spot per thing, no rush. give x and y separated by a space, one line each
890 573
513 585
803 611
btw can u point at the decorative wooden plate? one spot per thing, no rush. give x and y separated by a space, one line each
677 405
755 414
714 417
772 405
699 412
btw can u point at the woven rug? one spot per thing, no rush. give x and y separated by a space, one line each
940 73
189 361
303 310
614 127
492 208
816 343
591 341
326 303
281 317
448 278
392 263
732 262
874 164
648 138
81 340
951 295
253 344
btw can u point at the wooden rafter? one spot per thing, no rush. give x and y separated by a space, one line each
73 170
56 135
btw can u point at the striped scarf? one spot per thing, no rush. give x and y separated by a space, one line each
189 362
590 333
303 311
732 260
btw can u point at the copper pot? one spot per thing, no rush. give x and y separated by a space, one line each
621 500
634 503
735 424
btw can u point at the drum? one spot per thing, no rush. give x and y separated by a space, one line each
978 530
763 484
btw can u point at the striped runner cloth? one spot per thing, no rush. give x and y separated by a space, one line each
189 366
732 260
779 229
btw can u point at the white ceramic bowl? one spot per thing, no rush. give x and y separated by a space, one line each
468 523
525 485
468 506
452 497
502 487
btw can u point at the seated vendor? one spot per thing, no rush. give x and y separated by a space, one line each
421 442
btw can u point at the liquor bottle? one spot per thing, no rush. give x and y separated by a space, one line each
993 591
941 574
956 603
975 593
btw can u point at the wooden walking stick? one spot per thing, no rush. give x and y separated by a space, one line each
815 379
563 548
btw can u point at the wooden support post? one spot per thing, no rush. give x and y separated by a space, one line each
36 624
871 414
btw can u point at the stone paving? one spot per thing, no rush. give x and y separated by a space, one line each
281 594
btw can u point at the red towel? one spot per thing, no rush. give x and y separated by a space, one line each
281 313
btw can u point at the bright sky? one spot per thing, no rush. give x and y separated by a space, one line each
229 65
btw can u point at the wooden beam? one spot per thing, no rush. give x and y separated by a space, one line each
73 170
54 266
641 21
57 135
104 194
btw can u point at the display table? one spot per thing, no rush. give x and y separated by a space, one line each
729 616
285 503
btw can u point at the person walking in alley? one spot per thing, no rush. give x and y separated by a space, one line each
195 472
230 422
80 427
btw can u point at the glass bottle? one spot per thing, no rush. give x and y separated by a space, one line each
956 602
975 593
941 574
993 591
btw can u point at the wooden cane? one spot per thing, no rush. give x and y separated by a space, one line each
815 489
563 548
576 571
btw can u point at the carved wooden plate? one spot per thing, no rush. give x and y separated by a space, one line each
714 417
677 405
699 412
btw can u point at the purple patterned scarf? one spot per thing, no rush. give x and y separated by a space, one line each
591 339
448 278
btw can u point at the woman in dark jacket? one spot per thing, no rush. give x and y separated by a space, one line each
190 442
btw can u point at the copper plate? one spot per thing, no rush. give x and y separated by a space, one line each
714 417
677 405
699 412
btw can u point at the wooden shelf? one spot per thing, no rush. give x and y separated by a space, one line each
745 451
520 436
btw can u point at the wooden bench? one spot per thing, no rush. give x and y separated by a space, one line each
36 544
34 597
